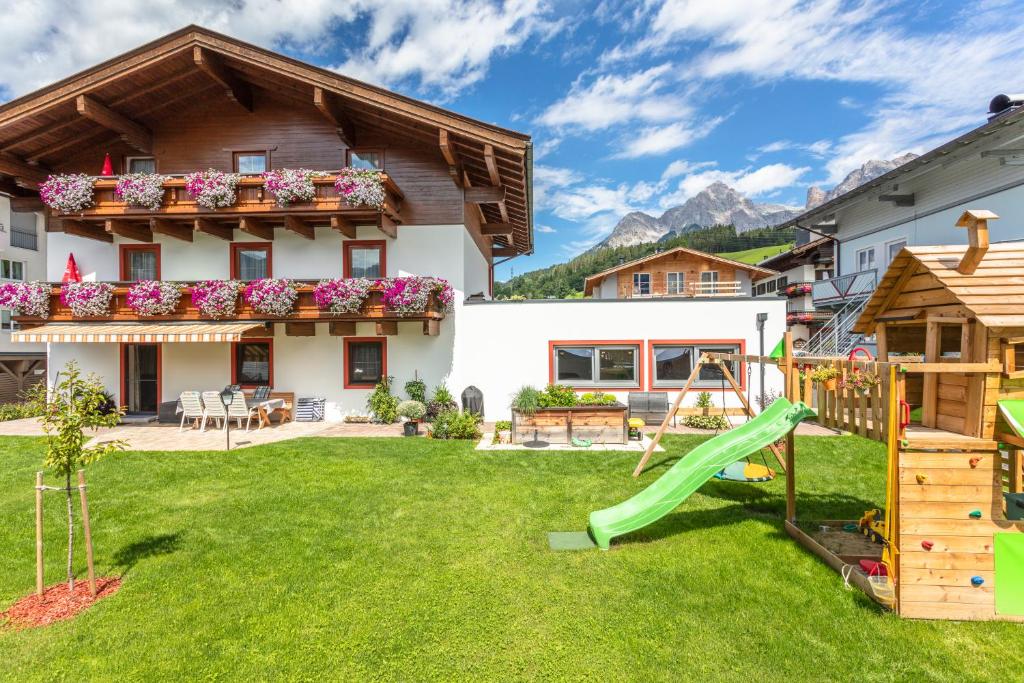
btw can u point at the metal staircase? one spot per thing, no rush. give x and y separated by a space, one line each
836 337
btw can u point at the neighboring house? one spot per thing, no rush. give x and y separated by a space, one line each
917 203
797 271
678 272
458 199
22 258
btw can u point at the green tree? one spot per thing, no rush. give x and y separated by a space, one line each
75 404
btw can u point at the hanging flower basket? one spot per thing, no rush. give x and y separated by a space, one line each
216 298
67 193
861 382
360 187
87 299
271 296
212 189
410 295
26 298
144 190
291 185
342 295
154 297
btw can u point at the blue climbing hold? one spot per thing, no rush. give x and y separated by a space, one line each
977 580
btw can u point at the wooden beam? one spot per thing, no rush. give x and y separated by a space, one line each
132 132
503 251
431 328
117 226
343 225
387 327
27 204
492 165
299 227
328 106
342 328
162 226
300 329
496 229
256 228
208 227
484 195
24 173
387 226
235 88
80 229
450 157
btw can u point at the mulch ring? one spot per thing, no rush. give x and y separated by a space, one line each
57 603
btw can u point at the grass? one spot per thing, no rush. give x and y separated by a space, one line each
757 254
398 559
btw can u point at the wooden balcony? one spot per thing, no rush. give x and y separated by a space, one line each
301 318
256 212
725 288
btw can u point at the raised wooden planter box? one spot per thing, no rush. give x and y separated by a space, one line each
599 424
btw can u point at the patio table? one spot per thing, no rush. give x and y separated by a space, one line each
267 408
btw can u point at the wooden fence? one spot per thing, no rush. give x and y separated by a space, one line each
859 412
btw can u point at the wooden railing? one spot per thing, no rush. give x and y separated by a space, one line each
726 288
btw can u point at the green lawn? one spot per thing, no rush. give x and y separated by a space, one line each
398 559
757 254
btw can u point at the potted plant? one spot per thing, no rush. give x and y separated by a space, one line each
144 190
360 187
503 431
413 412
153 297
342 295
212 189
26 298
825 374
410 295
271 296
216 298
67 193
87 298
861 382
291 185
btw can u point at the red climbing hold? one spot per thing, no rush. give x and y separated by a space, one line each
974 461
927 545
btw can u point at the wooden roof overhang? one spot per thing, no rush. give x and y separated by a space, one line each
122 98
923 282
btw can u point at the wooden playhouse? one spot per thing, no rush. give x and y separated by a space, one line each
949 323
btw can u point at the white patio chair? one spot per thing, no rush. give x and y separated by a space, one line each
213 409
191 408
238 410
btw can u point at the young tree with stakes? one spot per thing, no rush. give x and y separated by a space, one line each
75 404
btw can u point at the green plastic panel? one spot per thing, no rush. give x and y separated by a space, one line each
1009 550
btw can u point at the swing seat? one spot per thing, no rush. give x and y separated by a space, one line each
746 471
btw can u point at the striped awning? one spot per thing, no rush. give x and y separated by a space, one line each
136 333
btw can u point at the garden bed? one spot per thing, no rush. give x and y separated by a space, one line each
560 424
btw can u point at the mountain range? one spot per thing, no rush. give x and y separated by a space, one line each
719 204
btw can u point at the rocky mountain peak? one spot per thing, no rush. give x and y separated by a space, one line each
868 171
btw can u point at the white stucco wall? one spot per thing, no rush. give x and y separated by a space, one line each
609 288
34 261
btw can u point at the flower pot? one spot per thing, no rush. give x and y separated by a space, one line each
830 384
411 428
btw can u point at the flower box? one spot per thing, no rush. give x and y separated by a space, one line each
216 298
153 297
87 299
291 185
598 424
67 193
212 189
271 296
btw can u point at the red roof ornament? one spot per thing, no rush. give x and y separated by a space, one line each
71 273
108 166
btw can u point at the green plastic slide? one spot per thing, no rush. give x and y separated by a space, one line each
1012 411
696 467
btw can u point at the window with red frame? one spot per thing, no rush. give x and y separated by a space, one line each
365 258
253 363
251 260
365 362
140 262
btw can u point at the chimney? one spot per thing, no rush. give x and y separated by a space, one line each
1002 104
976 222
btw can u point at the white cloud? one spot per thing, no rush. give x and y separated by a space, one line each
545 229
662 139
42 41
817 149
756 182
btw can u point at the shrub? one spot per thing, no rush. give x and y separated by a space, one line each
453 424
703 400
597 398
18 411
716 422
558 395
412 410
382 404
442 401
503 426
527 400
770 397
417 390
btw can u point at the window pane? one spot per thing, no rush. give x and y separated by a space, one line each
17 270
365 362
252 163
5 320
617 365
364 159
142 165
711 375
251 263
141 265
675 283
641 283
672 363
5 269
252 362
575 364
364 262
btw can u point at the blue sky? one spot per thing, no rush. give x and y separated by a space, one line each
632 105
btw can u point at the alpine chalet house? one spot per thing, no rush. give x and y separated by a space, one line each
917 203
794 273
239 217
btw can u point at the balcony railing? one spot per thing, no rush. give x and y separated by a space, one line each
253 199
797 316
795 289
845 288
23 239
305 310
726 288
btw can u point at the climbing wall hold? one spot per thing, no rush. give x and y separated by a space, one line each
927 545
974 462
922 478
976 514
977 580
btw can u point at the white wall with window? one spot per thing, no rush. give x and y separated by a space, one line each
22 258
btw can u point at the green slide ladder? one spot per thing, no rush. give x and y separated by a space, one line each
696 467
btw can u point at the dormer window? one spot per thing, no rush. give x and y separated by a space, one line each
251 162
366 158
